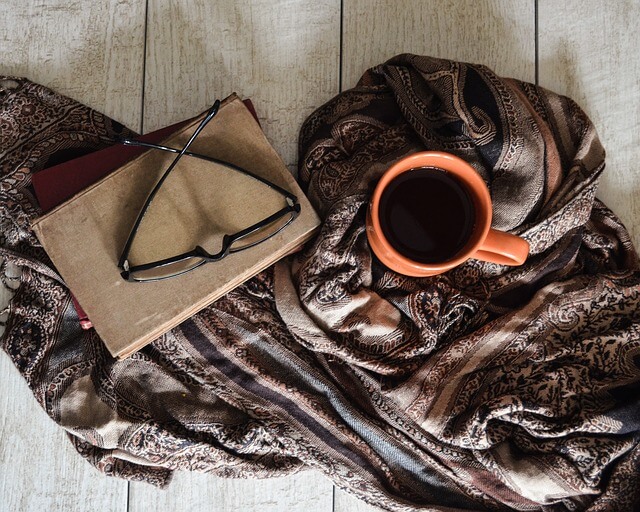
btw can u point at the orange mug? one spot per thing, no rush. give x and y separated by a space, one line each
430 212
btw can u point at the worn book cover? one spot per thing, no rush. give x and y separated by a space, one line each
199 203
58 183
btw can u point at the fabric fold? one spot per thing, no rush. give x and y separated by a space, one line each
484 388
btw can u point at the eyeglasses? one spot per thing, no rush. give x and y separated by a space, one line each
231 243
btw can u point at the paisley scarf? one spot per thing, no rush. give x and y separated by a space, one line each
485 388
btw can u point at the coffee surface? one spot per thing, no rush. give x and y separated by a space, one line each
427 215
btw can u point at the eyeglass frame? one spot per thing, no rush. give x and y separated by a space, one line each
292 208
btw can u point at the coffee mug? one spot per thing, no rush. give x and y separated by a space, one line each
430 212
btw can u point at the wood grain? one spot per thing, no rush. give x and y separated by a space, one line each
195 492
284 56
594 60
39 469
348 503
90 51
497 33
93 52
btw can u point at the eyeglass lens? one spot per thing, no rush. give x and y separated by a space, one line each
261 234
169 270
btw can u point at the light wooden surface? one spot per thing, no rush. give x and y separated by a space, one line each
591 52
289 57
283 55
497 33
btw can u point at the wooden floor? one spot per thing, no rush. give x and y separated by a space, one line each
150 63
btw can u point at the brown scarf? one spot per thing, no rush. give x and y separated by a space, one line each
486 388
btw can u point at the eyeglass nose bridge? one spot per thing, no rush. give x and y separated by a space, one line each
201 252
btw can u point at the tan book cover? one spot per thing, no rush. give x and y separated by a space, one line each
199 202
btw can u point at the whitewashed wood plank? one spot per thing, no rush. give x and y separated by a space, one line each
345 502
196 492
39 469
497 33
92 52
589 51
283 55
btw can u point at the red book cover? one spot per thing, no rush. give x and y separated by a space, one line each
58 183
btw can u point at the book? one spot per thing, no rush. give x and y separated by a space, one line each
199 203
56 184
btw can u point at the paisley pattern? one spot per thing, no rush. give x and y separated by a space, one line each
485 388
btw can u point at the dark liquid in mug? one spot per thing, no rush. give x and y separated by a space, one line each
427 215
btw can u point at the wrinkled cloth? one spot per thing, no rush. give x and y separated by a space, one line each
485 388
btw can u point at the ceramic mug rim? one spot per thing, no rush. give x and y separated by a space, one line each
473 184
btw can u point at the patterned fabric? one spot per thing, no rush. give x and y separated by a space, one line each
485 388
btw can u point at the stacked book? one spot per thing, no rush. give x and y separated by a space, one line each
92 202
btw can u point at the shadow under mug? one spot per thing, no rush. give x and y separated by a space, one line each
484 243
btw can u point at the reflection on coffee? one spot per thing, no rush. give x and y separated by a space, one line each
426 215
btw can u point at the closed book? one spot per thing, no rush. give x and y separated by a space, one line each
199 203
56 184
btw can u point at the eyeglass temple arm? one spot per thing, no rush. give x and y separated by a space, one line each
133 142
123 263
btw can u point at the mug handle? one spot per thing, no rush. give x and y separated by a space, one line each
502 248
